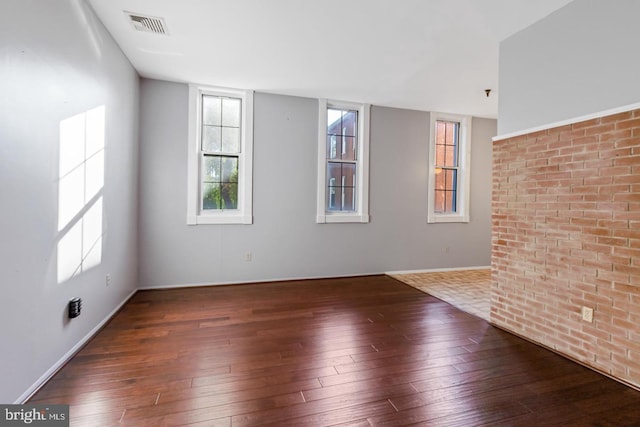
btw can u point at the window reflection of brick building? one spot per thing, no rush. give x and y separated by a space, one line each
446 167
342 140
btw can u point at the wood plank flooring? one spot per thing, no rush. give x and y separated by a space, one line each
364 351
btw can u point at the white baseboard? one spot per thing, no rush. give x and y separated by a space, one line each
439 270
285 279
68 355
245 282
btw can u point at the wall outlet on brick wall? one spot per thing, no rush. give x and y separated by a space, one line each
587 314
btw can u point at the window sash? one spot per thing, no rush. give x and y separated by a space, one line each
343 127
226 185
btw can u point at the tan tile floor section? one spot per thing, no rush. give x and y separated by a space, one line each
468 290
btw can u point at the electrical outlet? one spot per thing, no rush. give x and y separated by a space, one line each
248 256
108 280
587 314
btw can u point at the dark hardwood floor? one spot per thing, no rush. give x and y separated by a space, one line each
353 352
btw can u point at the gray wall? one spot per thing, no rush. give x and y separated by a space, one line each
285 240
580 60
56 61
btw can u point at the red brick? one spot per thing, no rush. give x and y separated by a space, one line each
617 117
627 179
627 124
603 128
630 160
580 245
614 171
633 215
617 135
630 141
613 223
568 134
598 180
585 124
631 234
585 156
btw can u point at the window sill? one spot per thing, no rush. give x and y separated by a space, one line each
218 219
338 218
437 219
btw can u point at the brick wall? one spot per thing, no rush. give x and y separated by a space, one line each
566 234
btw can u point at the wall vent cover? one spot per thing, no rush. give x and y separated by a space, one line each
147 24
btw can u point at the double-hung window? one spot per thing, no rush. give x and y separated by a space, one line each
449 168
220 156
343 162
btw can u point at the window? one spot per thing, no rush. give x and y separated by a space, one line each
343 162
220 156
449 168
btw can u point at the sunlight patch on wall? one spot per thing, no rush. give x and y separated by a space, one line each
81 180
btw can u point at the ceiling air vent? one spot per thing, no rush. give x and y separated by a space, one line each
147 24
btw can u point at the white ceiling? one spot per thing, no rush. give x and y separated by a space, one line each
432 55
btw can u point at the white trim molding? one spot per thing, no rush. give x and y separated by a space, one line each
361 213
195 213
603 113
464 170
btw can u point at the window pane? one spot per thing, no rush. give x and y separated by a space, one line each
332 146
334 171
449 133
211 139
211 196
348 199
211 110
447 143
446 191
217 196
440 149
454 201
334 201
349 123
451 179
231 112
211 170
440 132
229 195
230 140
229 169
440 179
341 179
334 121
348 148
348 174
438 203
450 159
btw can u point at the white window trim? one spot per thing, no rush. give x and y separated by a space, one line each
464 172
244 213
361 213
